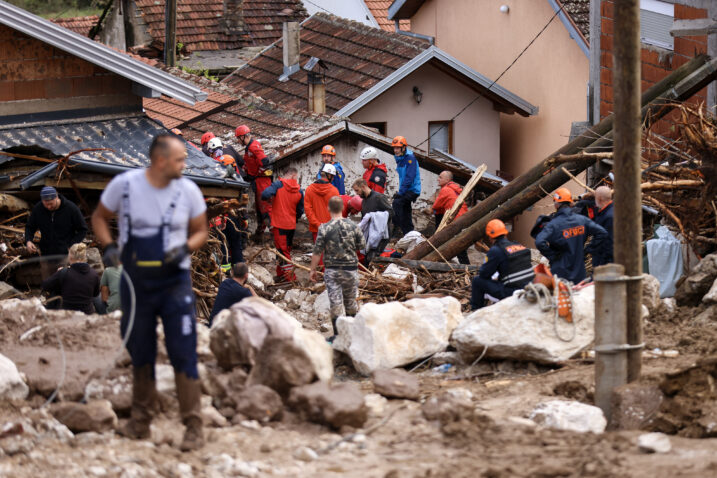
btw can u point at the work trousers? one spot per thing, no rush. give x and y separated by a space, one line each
342 286
283 241
480 287
402 210
175 306
263 208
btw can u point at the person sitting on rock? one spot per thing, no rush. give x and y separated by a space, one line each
78 284
510 259
232 290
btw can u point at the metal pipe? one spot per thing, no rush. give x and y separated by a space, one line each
627 142
610 333
170 33
429 39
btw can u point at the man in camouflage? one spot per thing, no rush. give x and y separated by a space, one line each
338 240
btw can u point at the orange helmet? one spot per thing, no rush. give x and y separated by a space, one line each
562 195
226 160
242 130
177 131
355 203
328 149
495 228
399 141
206 137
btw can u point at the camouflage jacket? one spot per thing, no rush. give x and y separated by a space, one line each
338 240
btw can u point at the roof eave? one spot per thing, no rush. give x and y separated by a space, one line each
572 28
403 9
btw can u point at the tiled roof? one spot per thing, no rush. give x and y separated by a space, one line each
81 25
379 10
579 13
357 57
203 25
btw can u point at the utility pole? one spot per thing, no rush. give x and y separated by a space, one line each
626 151
170 33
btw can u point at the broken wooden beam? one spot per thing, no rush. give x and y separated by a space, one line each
430 266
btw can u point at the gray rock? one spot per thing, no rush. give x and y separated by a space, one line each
282 365
396 383
305 453
572 416
654 443
635 406
116 387
334 405
95 416
711 295
12 386
261 403
698 283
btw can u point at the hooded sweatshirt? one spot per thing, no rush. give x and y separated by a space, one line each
287 204
447 197
77 285
316 203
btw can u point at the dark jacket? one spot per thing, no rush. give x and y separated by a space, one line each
77 285
512 262
376 202
603 218
230 292
60 229
562 242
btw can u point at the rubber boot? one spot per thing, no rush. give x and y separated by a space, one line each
189 393
143 395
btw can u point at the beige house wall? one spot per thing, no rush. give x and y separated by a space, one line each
552 74
476 133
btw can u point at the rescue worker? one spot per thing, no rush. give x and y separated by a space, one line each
447 196
375 173
227 229
338 240
328 156
352 205
206 137
258 173
409 184
179 133
316 200
562 240
162 219
510 259
226 155
287 205
372 201
232 290
603 218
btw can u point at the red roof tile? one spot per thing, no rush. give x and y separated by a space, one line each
579 13
357 57
81 25
379 10
203 25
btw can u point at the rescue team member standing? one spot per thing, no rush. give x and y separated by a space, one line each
372 201
316 201
287 205
338 240
510 259
258 173
328 156
162 218
444 202
232 290
562 240
603 218
375 173
409 184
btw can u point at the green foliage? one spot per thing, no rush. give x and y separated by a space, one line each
61 8
199 71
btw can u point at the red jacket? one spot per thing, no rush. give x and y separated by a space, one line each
254 159
376 177
345 198
447 197
287 204
316 203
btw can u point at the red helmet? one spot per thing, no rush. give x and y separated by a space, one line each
355 203
562 195
399 141
206 137
495 228
242 130
328 149
177 131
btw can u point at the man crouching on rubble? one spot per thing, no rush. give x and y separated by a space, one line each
338 240
162 218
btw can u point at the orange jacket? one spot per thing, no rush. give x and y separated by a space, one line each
287 203
447 197
316 203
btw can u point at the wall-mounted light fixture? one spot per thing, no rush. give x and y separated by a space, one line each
417 94
504 9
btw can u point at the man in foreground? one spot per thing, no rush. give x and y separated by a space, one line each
162 219
338 240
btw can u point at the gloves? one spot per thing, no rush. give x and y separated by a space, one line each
111 257
176 255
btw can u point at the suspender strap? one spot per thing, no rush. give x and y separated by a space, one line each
166 217
126 222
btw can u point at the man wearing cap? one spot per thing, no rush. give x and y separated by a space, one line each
60 223
562 240
316 199
509 259
328 156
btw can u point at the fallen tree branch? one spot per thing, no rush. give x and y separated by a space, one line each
577 180
665 210
678 184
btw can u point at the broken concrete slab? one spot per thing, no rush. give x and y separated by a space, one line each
396 383
516 329
698 283
261 403
572 416
94 416
334 405
635 406
12 385
384 336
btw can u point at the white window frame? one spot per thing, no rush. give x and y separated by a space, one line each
661 8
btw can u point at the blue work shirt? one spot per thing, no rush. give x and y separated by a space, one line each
562 242
338 181
230 292
604 218
409 179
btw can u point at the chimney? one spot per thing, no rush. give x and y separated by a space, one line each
316 78
292 49
233 19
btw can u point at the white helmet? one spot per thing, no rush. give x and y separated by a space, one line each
369 152
214 143
329 169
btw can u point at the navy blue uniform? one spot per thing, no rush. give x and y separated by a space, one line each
230 292
603 218
562 242
512 262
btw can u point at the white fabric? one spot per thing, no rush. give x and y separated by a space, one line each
664 258
374 227
409 241
148 204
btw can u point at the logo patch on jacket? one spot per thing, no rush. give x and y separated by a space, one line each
573 232
514 249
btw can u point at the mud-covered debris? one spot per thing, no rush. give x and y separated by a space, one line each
635 406
698 283
396 383
94 416
335 405
449 406
261 403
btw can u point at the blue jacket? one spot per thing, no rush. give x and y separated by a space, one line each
562 242
603 218
409 179
338 180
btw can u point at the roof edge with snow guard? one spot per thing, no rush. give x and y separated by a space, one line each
497 92
98 54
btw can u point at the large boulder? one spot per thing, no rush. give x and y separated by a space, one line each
572 416
698 283
334 405
12 386
282 365
397 333
516 329
94 416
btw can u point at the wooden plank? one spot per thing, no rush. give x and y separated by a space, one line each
215 192
693 28
448 217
